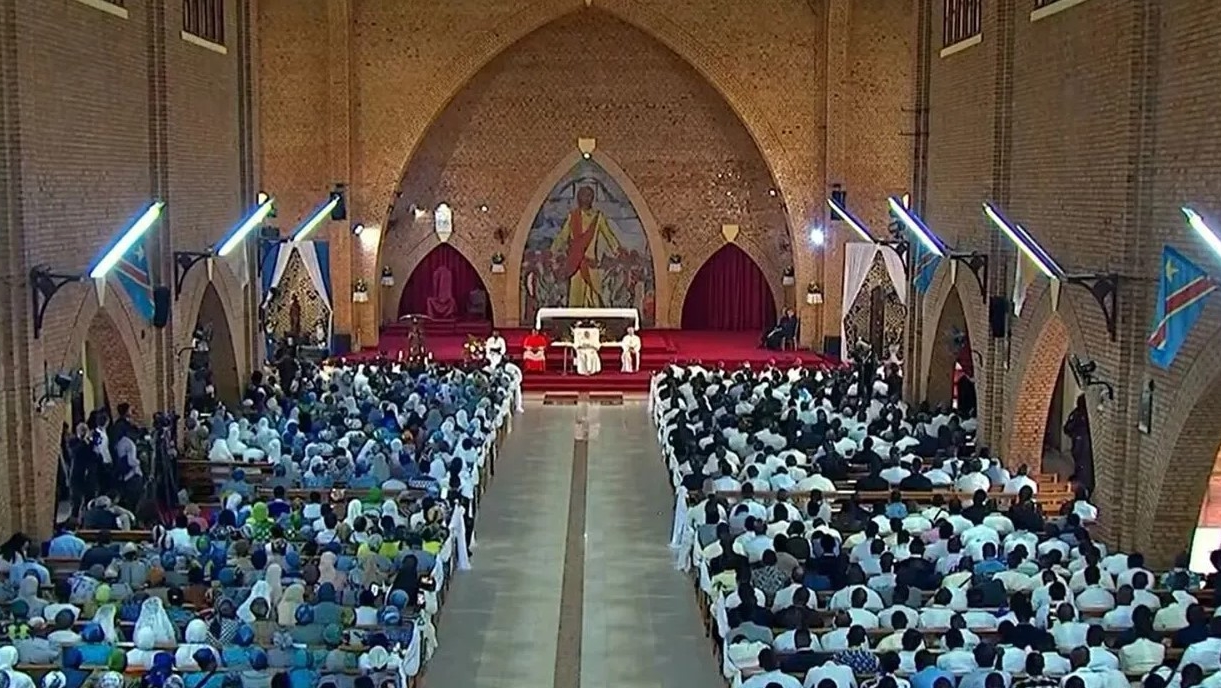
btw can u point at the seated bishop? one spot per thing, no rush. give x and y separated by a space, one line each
630 358
587 344
535 354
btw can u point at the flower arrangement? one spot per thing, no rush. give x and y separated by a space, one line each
360 291
789 276
813 293
676 263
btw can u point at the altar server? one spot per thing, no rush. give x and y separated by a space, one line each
630 358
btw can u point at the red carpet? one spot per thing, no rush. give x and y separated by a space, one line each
658 347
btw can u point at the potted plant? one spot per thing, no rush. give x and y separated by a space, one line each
498 262
789 277
676 263
813 294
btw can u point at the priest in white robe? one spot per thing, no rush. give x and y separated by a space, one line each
630 358
494 349
587 346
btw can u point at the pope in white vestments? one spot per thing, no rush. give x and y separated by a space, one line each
494 349
630 358
587 345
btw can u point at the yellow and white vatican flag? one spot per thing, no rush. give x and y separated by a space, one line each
1024 276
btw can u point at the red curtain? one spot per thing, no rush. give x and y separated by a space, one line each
729 293
464 279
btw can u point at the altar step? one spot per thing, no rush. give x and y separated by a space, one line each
606 384
440 328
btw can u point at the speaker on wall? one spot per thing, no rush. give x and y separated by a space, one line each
998 316
831 346
161 306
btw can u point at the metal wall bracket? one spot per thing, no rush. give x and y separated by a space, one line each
1104 287
183 262
977 263
44 285
899 246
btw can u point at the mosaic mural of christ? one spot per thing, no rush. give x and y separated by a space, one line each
587 248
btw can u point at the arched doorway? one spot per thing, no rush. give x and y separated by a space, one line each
212 374
1047 398
109 387
444 286
729 292
952 359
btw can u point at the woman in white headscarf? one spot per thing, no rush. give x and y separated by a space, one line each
391 508
355 511
154 617
196 639
260 591
141 656
8 662
274 577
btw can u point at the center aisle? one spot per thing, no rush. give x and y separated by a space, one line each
641 626
498 624
572 583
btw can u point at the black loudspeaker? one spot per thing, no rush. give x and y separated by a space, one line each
341 344
831 346
998 316
161 306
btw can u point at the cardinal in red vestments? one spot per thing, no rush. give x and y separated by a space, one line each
535 355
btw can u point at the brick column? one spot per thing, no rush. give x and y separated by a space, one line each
339 35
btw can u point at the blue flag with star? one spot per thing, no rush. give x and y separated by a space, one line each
1182 290
924 266
136 279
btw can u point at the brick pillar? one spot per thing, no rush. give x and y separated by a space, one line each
339 33
160 246
913 349
836 168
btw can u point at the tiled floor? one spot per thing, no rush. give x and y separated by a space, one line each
637 619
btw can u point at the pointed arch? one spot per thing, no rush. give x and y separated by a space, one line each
222 361
540 221
951 351
729 292
441 286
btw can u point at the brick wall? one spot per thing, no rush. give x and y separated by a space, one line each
408 71
1091 139
107 113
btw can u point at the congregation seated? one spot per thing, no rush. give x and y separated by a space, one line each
822 564
260 589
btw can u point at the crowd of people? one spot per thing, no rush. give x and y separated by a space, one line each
840 537
339 499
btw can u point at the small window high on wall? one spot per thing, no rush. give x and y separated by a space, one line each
204 19
963 19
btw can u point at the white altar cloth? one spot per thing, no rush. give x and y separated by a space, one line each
586 314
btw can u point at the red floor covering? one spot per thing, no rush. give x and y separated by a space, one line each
658 347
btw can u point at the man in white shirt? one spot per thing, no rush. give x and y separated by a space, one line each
1094 597
1068 633
630 358
1206 653
494 349
1015 484
840 674
956 659
771 674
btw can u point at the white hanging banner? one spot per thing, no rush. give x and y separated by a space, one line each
898 273
858 258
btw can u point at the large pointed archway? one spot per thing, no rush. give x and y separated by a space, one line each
729 292
213 359
445 286
488 153
951 361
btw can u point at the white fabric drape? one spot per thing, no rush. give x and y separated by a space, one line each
457 525
282 254
897 271
858 257
309 256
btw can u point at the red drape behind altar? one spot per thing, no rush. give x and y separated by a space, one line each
729 292
421 285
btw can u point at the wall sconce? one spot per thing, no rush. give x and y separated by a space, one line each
1085 374
789 278
360 292
58 386
498 262
387 277
676 263
814 294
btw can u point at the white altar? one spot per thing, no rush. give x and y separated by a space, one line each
586 314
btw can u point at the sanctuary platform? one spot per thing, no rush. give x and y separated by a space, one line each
658 348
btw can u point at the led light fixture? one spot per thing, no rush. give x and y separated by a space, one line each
316 219
843 214
226 246
1026 244
1206 233
126 241
916 226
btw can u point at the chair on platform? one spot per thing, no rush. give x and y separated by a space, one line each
477 305
790 343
